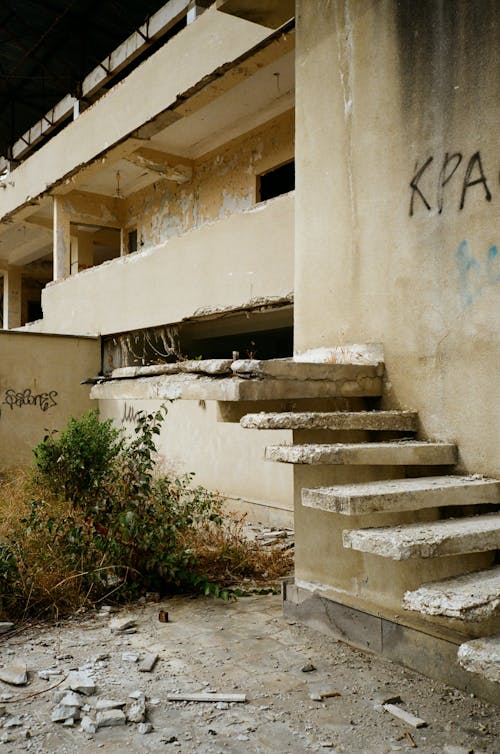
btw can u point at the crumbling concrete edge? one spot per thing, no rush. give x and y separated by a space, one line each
429 655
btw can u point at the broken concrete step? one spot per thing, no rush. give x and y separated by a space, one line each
403 494
473 596
428 540
482 656
288 369
404 453
400 421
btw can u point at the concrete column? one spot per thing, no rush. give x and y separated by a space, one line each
123 242
62 239
12 282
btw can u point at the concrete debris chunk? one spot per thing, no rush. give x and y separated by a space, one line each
88 725
81 682
110 718
71 699
137 694
144 728
5 626
136 713
16 673
13 722
118 625
62 713
147 663
130 656
406 717
49 673
109 704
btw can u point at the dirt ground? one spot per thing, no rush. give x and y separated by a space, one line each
246 647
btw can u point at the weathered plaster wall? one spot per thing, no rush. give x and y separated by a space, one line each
225 263
40 388
396 126
224 181
224 457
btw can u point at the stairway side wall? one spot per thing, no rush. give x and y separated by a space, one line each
224 457
396 127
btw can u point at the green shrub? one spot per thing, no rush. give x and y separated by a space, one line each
77 464
95 522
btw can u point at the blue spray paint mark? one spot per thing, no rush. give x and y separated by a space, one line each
473 276
493 265
469 271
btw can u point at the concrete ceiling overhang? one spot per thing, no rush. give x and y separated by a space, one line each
47 48
248 92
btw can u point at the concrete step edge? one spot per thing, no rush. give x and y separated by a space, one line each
428 540
403 421
482 656
403 494
471 596
407 452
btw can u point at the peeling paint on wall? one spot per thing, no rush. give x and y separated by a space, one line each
224 182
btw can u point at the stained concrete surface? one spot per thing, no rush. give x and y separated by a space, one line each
245 647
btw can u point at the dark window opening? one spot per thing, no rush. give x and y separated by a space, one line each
256 334
276 182
132 241
34 311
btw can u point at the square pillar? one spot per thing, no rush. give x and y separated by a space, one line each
12 282
62 239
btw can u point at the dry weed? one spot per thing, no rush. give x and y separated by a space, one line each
225 554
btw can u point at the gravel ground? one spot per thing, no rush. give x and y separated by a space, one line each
246 647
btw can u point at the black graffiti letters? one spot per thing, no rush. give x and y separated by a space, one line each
129 414
446 175
474 160
414 185
26 397
421 185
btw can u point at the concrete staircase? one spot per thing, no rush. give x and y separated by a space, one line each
467 597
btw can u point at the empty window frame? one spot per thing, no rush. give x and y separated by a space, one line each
275 182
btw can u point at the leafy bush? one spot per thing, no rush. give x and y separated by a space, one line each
76 465
93 521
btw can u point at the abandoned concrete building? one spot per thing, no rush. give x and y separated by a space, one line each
283 219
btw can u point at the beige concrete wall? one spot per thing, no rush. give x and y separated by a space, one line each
224 181
40 388
385 89
223 456
226 263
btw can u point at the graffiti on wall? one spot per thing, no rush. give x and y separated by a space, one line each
18 399
129 415
428 186
476 273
